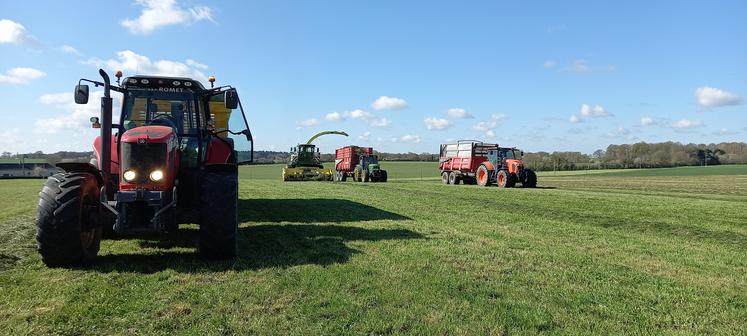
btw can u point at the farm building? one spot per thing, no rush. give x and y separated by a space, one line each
29 168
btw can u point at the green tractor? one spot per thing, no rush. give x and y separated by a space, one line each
368 169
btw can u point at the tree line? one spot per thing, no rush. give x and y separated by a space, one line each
637 155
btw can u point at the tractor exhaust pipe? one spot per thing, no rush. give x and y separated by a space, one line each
106 134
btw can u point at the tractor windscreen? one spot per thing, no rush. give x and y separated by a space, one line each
177 110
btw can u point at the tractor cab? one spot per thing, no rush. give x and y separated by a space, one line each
305 155
370 162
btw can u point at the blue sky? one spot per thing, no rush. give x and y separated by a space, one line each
399 76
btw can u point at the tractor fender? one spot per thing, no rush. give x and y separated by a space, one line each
82 167
489 165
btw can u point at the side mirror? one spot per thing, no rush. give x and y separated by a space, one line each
231 99
248 134
81 94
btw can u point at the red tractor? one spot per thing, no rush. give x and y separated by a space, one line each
475 162
172 159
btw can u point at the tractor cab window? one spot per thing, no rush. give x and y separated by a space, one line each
508 154
178 113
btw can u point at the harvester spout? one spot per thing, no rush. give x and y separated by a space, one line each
324 133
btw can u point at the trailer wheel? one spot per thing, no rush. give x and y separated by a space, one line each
219 213
445 177
483 176
68 232
343 176
453 179
530 180
502 179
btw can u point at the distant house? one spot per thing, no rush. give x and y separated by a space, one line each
29 168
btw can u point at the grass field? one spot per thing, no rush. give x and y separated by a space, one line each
603 252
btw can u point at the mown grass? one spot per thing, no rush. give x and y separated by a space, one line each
584 254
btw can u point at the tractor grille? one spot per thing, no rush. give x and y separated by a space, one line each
143 159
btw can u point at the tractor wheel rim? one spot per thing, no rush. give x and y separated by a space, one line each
481 176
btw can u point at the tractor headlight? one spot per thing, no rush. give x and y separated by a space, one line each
129 175
156 175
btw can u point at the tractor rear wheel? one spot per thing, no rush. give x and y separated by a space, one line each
219 221
366 176
502 179
483 176
68 232
357 175
530 180
383 176
445 177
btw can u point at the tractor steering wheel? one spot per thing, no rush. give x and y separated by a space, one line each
165 120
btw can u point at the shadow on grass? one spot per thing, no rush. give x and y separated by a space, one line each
267 245
314 210
261 246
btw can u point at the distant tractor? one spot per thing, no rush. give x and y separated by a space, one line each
475 162
170 161
358 163
305 163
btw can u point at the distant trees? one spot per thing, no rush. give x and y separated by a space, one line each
638 155
642 155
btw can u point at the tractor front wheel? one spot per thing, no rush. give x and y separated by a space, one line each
483 176
68 233
219 221
502 179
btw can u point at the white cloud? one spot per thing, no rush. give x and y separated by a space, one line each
11 32
725 131
133 63
709 97
684 124
70 50
408 138
389 103
307 123
334 116
365 136
74 118
594 112
549 64
580 66
621 132
487 126
587 111
433 123
21 75
358 114
380 123
647 121
160 13
458 113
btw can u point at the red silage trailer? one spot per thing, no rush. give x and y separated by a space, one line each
346 158
463 159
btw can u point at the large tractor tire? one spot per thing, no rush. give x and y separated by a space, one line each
501 179
483 176
383 176
357 175
445 177
219 220
366 176
512 179
530 180
68 231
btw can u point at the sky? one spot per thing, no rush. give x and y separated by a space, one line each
401 76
